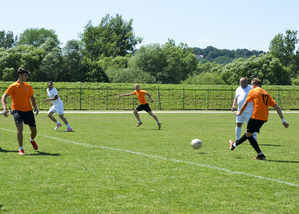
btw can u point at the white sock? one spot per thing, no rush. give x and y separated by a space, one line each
31 140
57 122
139 121
68 125
21 148
260 153
238 132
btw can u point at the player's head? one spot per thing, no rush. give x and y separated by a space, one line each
23 74
22 71
256 82
243 82
136 86
50 84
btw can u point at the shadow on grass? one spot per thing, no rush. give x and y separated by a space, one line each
37 153
1 210
282 161
43 153
268 145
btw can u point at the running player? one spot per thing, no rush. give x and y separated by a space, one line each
261 101
143 104
57 106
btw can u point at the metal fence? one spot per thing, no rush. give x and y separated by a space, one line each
165 99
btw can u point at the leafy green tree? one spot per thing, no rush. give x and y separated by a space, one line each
167 63
129 75
283 47
112 37
93 72
71 54
37 37
266 67
205 78
7 40
27 57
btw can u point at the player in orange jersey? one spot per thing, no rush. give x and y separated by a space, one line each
143 104
21 93
261 101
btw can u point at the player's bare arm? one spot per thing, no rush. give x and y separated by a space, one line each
34 105
234 104
3 100
50 99
129 94
150 97
284 122
238 113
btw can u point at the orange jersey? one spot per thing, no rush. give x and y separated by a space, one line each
140 94
20 96
261 101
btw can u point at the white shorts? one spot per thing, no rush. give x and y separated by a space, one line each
57 109
245 116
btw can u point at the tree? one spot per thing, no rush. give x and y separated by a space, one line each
7 40
112 37
283 47
167 63
37 37
266 67
71 54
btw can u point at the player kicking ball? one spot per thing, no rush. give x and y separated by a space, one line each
143 104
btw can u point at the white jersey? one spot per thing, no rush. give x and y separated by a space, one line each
241 95
51 94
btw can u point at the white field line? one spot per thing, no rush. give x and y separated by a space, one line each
166 159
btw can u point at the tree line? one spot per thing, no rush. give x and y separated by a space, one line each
107 53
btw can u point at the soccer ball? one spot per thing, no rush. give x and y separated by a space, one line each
196 143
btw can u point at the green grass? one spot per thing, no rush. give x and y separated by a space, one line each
107 165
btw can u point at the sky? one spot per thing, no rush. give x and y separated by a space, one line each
223 24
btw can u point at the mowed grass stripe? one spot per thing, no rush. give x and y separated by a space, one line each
163 158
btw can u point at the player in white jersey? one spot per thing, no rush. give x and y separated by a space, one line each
240 97
57 106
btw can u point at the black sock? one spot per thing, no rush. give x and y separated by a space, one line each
254 144
242 139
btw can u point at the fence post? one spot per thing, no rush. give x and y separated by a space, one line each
159 104
278 97
107 98
183 98
208 99
80 101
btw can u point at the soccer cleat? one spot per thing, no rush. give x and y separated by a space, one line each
34 144
57 126
139 124
21 152
1 149
159 125
231 145
69 130
260 157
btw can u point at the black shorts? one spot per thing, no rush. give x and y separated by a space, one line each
24 116
254 125
144 107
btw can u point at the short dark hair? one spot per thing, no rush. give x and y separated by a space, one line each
22 71
51 82
256 81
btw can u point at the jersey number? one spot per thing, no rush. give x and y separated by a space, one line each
265 99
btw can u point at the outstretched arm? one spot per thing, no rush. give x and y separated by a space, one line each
284 122
129 94
149 96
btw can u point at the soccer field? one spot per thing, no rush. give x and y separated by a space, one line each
107 165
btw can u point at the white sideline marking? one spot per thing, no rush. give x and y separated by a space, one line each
163 158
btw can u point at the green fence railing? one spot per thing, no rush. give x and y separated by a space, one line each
165 99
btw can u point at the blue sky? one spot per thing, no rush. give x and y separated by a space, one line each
223 24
